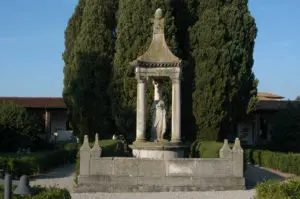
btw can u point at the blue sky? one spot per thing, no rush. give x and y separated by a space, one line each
32 42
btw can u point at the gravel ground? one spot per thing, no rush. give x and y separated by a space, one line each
63 177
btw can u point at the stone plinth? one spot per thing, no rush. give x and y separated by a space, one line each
158 150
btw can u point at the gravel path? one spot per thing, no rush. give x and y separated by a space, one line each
63 177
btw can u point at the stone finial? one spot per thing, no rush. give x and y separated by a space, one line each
96 150
85 145
158 22
237 146
225 151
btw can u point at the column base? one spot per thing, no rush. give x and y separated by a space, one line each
175 141
158 150
139 140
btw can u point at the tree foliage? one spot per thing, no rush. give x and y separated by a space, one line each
286 128
18 128
89 62
216 37
222 42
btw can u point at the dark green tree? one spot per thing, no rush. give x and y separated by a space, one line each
222 42
286 128
134 34
185 12
71 33
91 64
19 128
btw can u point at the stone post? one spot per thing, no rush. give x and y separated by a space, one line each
238 159
141 111
225 151
85 156
96 151
176 111
48 122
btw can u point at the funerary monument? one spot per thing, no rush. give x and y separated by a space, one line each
158 164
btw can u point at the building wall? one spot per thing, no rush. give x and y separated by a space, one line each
58 120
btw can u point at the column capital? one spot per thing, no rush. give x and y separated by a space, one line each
141 80
176 80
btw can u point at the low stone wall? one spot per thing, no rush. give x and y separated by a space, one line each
99 174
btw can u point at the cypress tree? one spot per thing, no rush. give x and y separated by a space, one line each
185 12
92 63
222 42
134 34
71 32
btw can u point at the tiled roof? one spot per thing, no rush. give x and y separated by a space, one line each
36 102
268 96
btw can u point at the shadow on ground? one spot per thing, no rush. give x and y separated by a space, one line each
60 172
255 175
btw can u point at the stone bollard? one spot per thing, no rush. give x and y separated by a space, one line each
225 151
7 186
238 159
23 187
85 156
96 150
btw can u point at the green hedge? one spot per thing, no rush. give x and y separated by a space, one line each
285 162
36 163
278 190
206 149
42 193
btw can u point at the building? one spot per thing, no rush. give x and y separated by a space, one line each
253 130
52 110
257 128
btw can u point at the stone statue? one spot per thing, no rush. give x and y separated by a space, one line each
158 111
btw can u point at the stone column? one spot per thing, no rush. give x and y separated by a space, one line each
48 121
176 111
141 111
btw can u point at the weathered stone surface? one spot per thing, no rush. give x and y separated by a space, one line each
179 168
102 166
150 168
125 166
143 175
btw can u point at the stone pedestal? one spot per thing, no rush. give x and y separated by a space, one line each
158 151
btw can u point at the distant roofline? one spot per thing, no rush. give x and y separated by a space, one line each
37 102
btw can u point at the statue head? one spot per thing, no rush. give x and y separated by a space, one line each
158 13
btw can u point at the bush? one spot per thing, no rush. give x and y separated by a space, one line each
36 163
285 162
278 190
18 128
206 149
42 193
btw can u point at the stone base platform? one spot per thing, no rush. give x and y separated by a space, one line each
113 174
113 184
158 150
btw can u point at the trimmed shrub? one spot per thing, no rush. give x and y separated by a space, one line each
285 162
278 190
42 193
36 163
206 149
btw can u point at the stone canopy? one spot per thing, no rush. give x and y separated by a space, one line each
158 55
